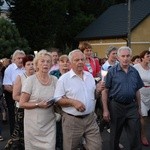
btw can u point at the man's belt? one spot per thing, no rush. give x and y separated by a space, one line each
123 103
147 86
79 116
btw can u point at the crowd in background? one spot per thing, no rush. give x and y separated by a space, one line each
54 101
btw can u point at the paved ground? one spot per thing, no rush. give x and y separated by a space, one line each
123 140
105 136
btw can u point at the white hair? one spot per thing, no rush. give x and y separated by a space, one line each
17 52
72 52
124 48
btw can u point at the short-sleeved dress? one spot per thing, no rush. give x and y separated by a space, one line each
145 91
39 123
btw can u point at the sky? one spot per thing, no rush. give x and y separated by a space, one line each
4 6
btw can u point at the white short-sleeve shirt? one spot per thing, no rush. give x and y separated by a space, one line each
11 73
72 86
107 65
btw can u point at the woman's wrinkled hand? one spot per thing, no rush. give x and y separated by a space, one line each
43 104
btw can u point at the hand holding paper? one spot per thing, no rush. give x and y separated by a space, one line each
103 73
50 102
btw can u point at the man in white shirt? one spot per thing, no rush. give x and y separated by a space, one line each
75 92
10 74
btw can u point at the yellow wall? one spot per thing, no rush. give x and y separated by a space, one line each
141 34
140 40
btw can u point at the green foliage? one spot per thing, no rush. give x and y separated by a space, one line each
10 39
49 23
55 23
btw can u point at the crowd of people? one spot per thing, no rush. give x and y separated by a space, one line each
52 100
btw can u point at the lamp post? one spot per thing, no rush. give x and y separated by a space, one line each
129 24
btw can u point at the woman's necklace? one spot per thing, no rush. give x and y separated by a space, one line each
25 74
44 81
145 66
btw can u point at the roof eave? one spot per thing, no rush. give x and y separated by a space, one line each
101 37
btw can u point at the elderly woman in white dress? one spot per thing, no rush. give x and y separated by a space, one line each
144 70
39 117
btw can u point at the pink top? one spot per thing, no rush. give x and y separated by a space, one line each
95 67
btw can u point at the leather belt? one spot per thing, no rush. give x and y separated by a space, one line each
79 116
123 103
147 86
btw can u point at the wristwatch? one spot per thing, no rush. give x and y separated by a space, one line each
37 104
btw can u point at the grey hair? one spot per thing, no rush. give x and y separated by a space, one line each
40 54
17 52
110 49
62 57
72 52
124 48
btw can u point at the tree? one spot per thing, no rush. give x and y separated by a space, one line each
55 23
10 39
49 23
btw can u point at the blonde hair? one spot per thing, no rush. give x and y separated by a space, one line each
40 54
